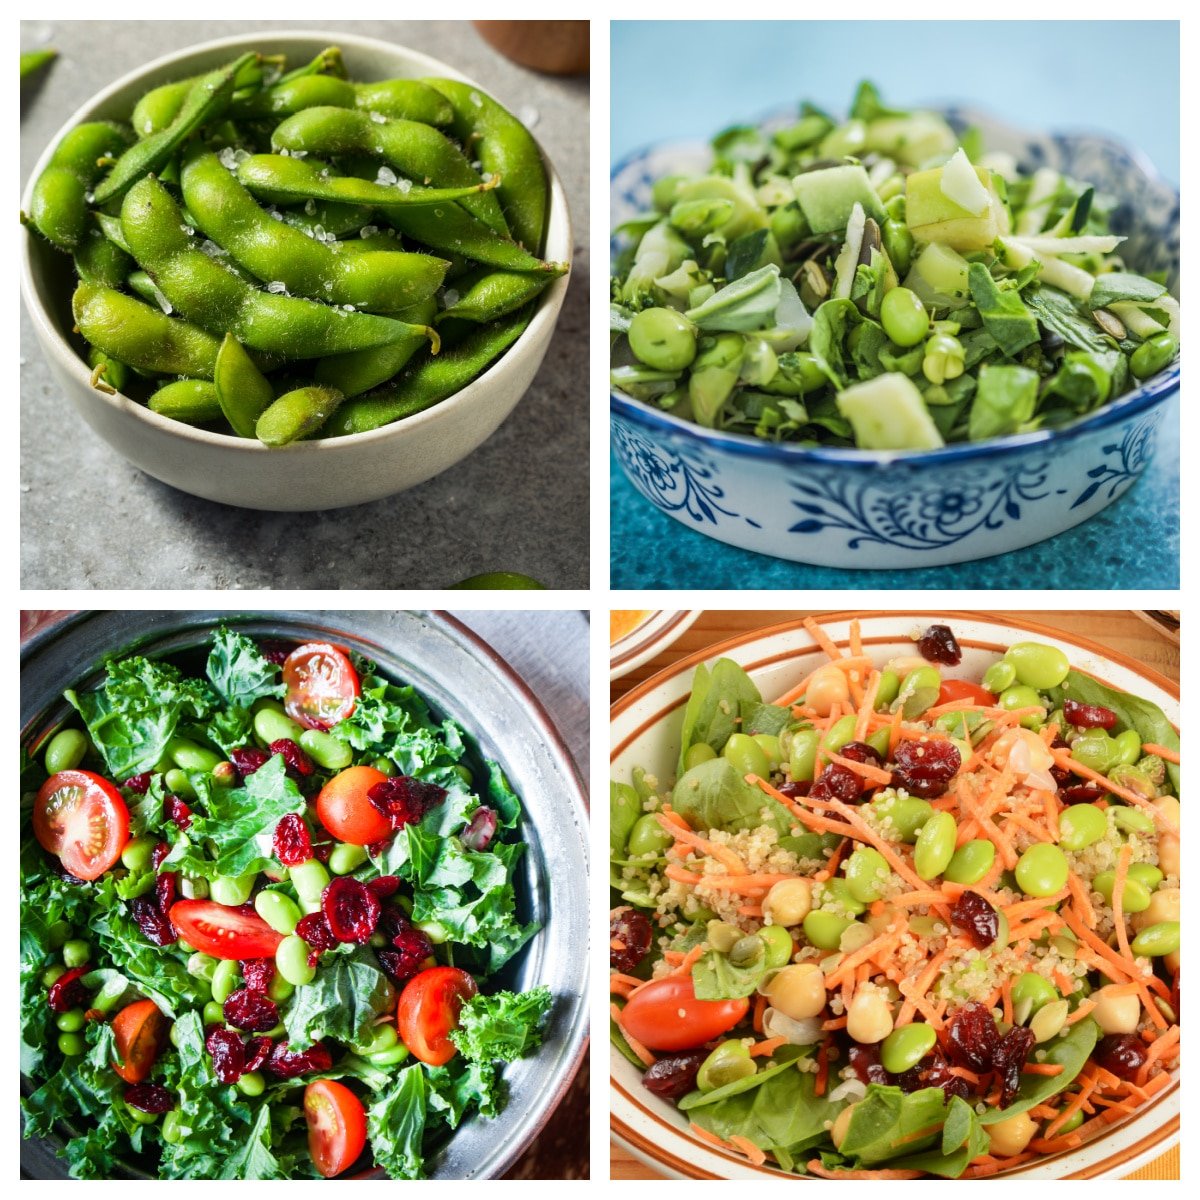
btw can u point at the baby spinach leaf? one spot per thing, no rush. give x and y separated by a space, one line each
1004 314
1121 285
713 795
719 700
716 978
888 1121
1069 1050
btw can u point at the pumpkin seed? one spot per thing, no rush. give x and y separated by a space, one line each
1049 1020
1110 323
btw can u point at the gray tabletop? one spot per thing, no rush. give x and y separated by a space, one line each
519 503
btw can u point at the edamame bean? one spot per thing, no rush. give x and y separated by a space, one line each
1149 877
778 943
1030 992
138 853
802 754
271 725
291 959
140 1116
866 873
771 748
309 879
71 1045
76 952
889 688
178 782
1132 820
1129 746
904 317
65 751
663 339
1081 825
906 816
388 1058
172 1127
326 750
251 1083
1135 896
243 392
1037 665
970 862
360 371
190 757
904 1047
383 1037
944 358
698 753
201 966
232 890
487 294
1022 696
214 1013
729 1062
841 733
72 1021
1095 749
1154 941
407 98
839 891
277 909
1042 870
898 242
999 677
1153 355
51 975
344 858
226 980
647 837
746 755
880 742
935 845
824 929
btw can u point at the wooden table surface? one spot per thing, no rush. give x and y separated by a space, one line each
1125 631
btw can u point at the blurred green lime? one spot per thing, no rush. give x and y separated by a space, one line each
500 580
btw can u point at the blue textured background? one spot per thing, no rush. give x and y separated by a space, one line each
1055 75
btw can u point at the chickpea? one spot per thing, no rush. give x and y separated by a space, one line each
879 923
1168 843
827 687
1164 906
788 902
1011 1136
1116 1014
870 1017
841 1126
797 991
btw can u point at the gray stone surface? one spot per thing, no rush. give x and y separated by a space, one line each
519 503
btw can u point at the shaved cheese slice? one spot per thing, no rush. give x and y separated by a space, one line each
1091 244
961 185
847 261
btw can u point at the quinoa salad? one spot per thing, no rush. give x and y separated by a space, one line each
897 923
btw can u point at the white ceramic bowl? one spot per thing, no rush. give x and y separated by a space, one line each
654 633
885 509
326 473
645 732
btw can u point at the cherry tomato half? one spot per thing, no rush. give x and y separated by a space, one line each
428 1010
337 1126
82 819
665 1015
961 689
139 1030
347 812
322 685
224 932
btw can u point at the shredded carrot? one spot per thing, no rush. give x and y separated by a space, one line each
767 1048
867 708
815 1167
1039 904
1088 1085
1081 900
835 1023
822 1066
822 639
711 1138
1006 998
856 646
689 960
1172 756
726 857
748 1148
1037 1068
1118 899
1000 1164
876 947
1085 1007
1063 758
865 770
842 664
750 910
671 871
812 820
745 883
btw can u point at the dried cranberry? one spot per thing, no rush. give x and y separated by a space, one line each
149 1097
837 783
314 929
925 769
1088 716
629 935
404 800
1009 1057
674 1075
351 910
67 992
480 831
402 960
138 784
938 644
175 810
1061 776
228 1053
972 1037
933 1071
299 765
291 840
374 849
864 1062
286 1064
155 925
251 1011
258 973
795 788
1081 793
384 886
159 854
257 1051
248 759
1121 1053
861 752
164 890
322 847
276 652
973 914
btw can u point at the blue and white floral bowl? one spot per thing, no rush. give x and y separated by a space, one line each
872 509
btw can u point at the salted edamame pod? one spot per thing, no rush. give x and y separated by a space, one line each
488 295
243 392
358 372
297 414
193 401
407 98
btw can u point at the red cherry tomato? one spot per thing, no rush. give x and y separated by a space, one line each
82 819
428 1010
322 685
139 1030
961 689
665 1015
344 808
224 932
337 1126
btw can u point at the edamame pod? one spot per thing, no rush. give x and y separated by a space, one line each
506 149
297 414
487 295
243 392
358 372
204 291
58 206
292 95
409 99
375 280
206 99
193 401
141 335
431 380
97 260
